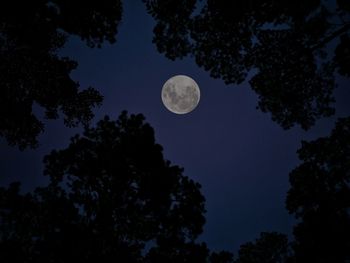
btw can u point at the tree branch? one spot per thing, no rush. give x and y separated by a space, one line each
329 38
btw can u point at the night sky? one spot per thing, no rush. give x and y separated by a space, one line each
238 154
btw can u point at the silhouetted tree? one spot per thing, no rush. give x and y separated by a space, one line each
32 72
268 248
173 251
221 257
111 197
320 198
284 44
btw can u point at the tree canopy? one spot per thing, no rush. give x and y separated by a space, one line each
32 72
270 247
111 196
320 198
284 48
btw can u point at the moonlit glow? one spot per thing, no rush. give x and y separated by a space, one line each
180 94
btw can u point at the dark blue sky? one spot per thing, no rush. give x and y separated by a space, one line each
241 158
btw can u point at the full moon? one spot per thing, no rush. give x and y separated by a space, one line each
180 94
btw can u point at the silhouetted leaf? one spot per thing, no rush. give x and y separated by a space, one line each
268 248
320 197
32 73
111 195
282 45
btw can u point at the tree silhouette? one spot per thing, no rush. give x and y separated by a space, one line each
284 44
320 198
111 196
32 72
173 251
268 248
221 257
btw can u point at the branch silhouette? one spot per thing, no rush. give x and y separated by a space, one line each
270 247
32 72
319 197
112 197
280 47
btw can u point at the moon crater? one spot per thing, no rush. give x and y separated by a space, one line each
180 94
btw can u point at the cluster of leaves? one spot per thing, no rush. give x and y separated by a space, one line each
320 198
33 74
270 247
111 195
284 44
291 51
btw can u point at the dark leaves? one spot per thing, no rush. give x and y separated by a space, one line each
320 197
342 56
282 44
119 195
268 248
172 30
33 75
289 82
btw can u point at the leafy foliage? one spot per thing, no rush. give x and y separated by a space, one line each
320 197
268 248
32 73
283 44
221 257
111 194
